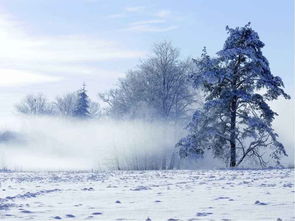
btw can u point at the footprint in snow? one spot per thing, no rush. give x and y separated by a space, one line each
87 189
26 211
222 198
260 203
290 185
139 188
70 216
203 214
6 206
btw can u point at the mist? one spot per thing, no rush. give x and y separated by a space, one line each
284 126
52 143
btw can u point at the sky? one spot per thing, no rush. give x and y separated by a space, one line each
52 47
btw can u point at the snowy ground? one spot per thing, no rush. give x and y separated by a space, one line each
148 195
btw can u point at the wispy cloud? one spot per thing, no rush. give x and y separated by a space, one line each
153 25
74 48
135 9
118 15
127 12
150 28
69 48
155 21
14 77
25 58
145 22
163 13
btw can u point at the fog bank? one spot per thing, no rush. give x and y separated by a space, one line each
51 143
48 143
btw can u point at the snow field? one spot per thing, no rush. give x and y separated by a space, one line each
148 195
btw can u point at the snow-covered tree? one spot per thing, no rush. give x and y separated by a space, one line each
235 122
82 106
35 105
158 88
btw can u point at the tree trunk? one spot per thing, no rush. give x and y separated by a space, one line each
233 132
233 116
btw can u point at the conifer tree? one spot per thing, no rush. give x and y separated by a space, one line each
82 108
236 121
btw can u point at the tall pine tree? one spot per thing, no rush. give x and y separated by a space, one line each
82 108
235 122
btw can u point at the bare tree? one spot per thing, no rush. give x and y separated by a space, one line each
159 87
35 105
94 110
66 104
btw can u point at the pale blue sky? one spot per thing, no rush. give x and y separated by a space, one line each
53 46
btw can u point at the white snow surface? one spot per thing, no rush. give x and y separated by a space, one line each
148 195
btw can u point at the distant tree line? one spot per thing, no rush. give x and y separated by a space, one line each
224 96
76 104
158 89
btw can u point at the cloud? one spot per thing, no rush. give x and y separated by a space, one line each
118 15
70 48
151 28
12 77
152 25
163 13
135 9
126 12
23 54
155 21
